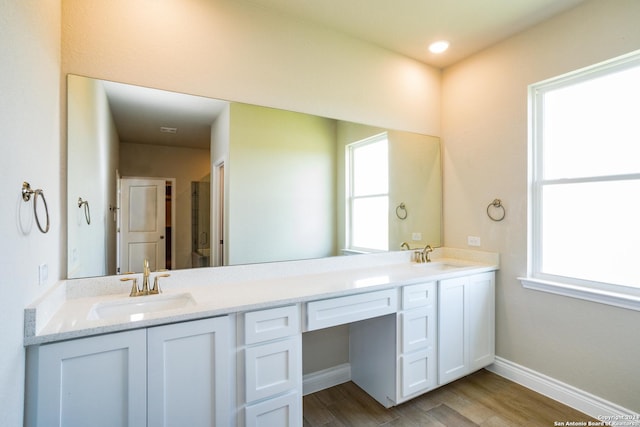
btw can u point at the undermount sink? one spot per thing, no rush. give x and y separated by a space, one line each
137 307
438 266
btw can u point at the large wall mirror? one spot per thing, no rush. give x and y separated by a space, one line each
187 181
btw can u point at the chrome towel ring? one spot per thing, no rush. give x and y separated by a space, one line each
26 196
87 212
401 211
496 204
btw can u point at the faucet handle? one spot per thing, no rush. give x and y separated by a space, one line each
156 284
134 289
425 253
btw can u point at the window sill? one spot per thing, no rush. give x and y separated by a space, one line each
617 299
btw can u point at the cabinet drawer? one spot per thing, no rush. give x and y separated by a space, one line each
266 325
419 295
273 368
282 411
352 308
418 372
418 329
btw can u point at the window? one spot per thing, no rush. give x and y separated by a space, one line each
368 194
585 183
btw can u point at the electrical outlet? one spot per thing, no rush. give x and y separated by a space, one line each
473 240
416 237
43 274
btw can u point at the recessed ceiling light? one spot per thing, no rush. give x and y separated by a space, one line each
165 129
439 46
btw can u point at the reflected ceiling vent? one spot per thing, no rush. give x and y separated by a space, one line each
165 129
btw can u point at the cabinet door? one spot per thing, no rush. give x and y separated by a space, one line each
481 320
188 382
452 329
95 381
466 328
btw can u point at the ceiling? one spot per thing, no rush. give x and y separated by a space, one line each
403 26
139 113
409 26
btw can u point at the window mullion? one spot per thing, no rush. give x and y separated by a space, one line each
586 179
365 196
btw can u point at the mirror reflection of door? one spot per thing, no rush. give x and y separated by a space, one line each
219 215
142 225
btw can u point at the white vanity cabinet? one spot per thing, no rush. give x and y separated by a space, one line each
176 374
270 361
409 332
466 328
395 373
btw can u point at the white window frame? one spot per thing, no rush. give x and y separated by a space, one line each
605 293
349 193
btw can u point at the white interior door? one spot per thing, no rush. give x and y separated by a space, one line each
142 225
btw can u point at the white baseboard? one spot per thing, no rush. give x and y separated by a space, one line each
326 378
581 400
569 395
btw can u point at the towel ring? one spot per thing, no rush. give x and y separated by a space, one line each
497 204
87 212
401 211
26 196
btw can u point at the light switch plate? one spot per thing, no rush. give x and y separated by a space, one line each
473 240
43 274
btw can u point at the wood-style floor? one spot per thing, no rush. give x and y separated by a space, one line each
481 399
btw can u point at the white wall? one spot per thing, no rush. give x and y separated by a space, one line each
93 148
591 346
282 187
236 50
30 151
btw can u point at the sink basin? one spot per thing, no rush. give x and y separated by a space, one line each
437 266
135 308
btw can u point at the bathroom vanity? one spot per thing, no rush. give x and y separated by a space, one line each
223 346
